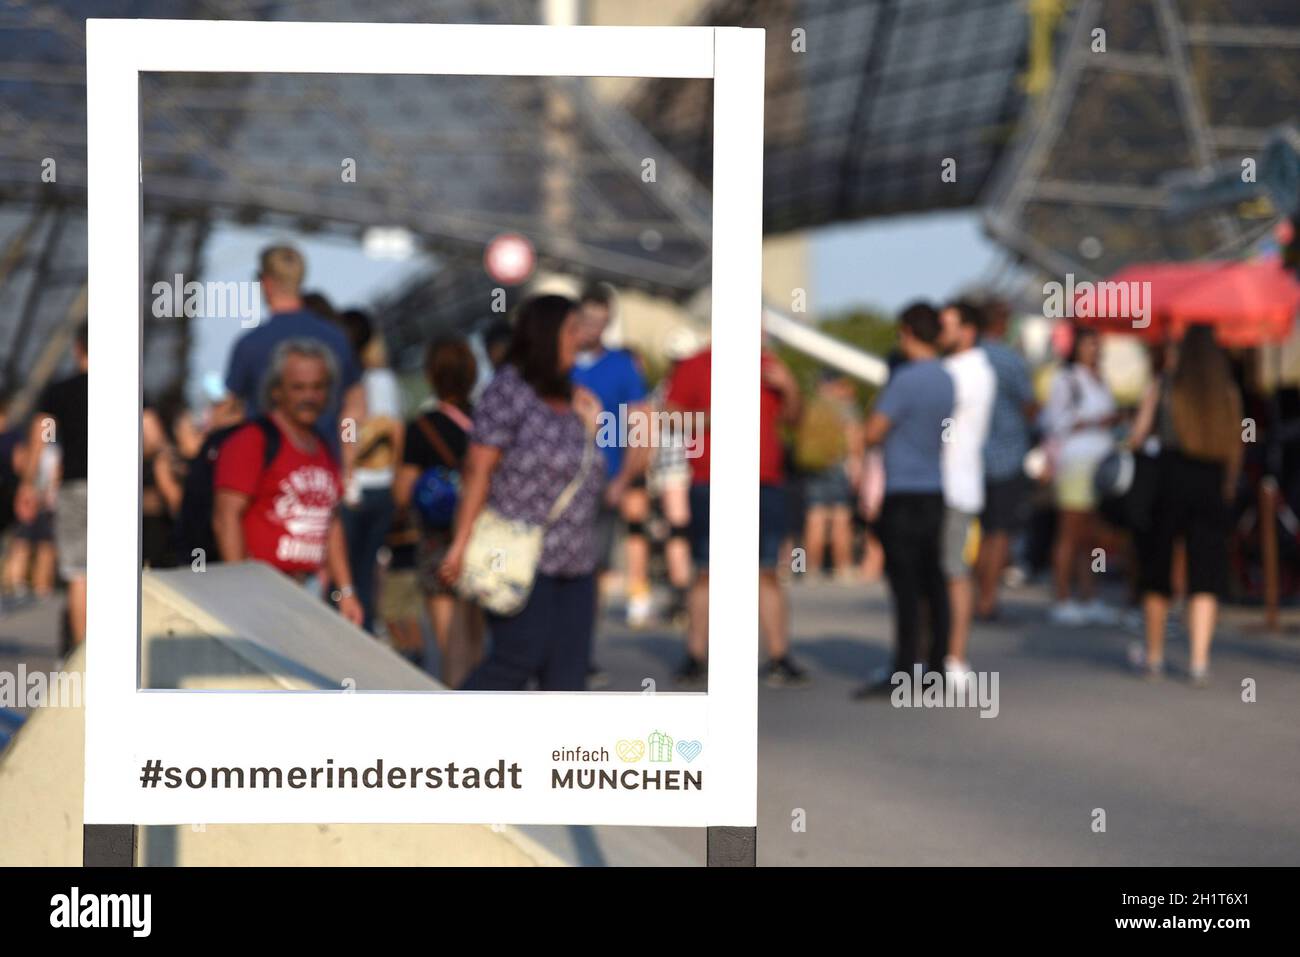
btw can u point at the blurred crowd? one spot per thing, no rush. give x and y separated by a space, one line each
964 474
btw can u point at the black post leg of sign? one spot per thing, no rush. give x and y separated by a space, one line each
732 846
108 845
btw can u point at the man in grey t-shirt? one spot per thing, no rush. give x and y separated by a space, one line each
909 419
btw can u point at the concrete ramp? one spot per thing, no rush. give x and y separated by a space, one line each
231 624
241 627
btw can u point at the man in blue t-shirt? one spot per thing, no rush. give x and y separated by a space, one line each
909 419
281 274
613 376
1006 487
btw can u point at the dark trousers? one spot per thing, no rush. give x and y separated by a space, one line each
911 530
1189 504
550 639
365 527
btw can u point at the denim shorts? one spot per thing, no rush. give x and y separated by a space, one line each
829 487
771 524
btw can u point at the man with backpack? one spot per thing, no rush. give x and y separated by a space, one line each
276 485
824 451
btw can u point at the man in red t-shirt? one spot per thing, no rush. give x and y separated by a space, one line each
689 392
284 512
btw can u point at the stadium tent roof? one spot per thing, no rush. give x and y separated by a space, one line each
455 160
866 101
862 121
1181 85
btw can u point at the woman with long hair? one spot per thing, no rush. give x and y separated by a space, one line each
1195 412
533 438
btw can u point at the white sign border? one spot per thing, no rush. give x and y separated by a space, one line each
126 726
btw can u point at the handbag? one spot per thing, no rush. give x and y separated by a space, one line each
1126 486
502 553
437 489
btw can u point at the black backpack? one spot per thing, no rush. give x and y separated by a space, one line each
193 527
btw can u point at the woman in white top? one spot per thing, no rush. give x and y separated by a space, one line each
367 511
1077 418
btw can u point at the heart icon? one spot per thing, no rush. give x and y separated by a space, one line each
690 750
630 750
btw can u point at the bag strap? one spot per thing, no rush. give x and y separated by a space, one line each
271 435
440 447
575 483
456 415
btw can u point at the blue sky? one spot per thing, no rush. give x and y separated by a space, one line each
887 263
882 263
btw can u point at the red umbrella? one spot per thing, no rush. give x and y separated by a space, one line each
1248 302
1135 300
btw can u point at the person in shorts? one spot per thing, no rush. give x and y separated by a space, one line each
1007 489
689 391
974 385
827 451
1079 414
614 377
439 435
30 564
62 418
669 480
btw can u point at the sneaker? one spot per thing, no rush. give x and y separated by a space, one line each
1200 677
640 609
691 672
1069 613
1014 576
955 666
783 673
1137 659
597 677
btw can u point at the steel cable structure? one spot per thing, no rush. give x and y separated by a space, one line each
1065 145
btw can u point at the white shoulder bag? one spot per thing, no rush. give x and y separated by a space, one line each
502 553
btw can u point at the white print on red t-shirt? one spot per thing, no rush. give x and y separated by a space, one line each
303 505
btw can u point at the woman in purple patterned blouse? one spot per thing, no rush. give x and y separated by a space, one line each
531 430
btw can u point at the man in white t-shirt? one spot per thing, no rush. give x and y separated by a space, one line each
975 387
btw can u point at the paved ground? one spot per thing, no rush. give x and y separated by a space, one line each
1185 776
29 635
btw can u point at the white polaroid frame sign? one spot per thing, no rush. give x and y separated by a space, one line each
711 777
